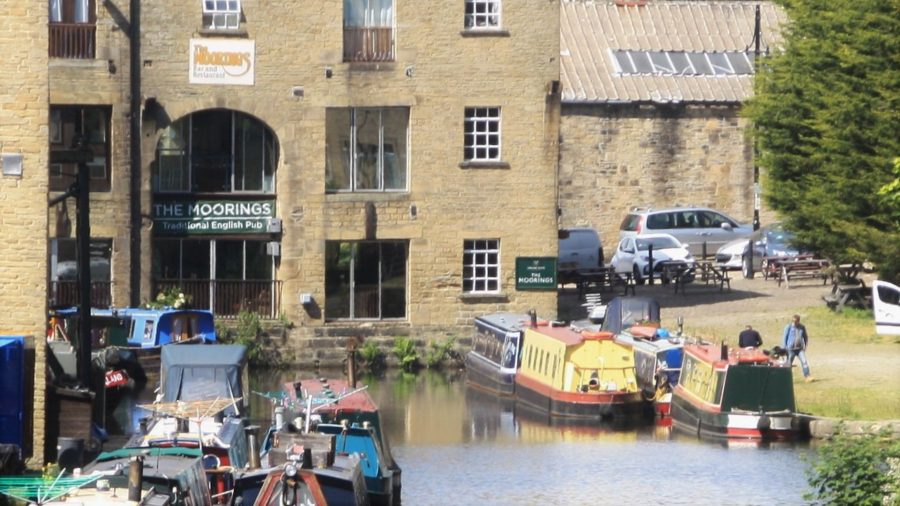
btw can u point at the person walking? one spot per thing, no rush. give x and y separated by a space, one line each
749 338
795 341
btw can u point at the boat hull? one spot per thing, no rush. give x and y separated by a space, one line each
598 406
485 374
691 417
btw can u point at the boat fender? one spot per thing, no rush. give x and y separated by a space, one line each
764 423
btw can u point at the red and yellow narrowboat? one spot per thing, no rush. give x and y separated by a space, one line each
578 374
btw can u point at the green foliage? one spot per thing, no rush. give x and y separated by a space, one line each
827 112
172 297
438 352
405 351
858 470
247 331
371 355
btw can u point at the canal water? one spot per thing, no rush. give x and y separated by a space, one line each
457 445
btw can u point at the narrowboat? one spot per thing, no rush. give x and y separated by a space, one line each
741 393
329 406
635 321
202 405
578 374
171 476
12 403
127 341
496 352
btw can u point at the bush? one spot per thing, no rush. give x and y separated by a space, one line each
438 352
858 470
172 297
405 351
371 356
247 331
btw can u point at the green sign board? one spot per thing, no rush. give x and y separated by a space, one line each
209 217
536 273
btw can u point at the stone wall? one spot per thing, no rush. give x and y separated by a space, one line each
615 157
23 199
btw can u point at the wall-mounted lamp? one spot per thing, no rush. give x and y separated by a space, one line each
12 164
306 299
413 211
328 72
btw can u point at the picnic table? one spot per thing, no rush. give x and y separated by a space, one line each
605 279
848 289
786 269
705 271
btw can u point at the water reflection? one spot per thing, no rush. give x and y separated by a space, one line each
458 445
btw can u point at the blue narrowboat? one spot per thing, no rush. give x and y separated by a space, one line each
12 402
496 352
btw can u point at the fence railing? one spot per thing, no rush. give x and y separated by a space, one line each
65 294
72 40
365 44
227 298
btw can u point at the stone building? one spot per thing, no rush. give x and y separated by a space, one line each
364 167
23 204
651 99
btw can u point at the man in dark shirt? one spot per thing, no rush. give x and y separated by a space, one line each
749 338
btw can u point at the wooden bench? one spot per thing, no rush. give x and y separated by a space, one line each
813 268
605 279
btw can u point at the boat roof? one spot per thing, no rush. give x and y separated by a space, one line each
566 335
129 311
204 355
192 372
505 321
624 312
712 353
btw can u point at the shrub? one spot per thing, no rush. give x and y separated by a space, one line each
405 351
438 352
246 331
371 355
171 297
859 470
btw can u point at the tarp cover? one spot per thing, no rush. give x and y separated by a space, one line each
624 312
193 372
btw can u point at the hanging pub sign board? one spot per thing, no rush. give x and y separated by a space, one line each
222 61
210 217
535 273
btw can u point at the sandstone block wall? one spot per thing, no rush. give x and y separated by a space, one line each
23 199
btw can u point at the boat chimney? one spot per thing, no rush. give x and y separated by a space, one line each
306 463
279 417
533 315
724 351
252 446
135 478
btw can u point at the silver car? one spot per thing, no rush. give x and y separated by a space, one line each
695 227
768 242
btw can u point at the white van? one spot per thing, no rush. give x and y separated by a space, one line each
886 306
579 250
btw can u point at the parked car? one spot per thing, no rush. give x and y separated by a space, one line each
692 226
770 241
670 258
886 306
579 250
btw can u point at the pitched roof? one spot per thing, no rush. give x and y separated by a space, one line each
591 30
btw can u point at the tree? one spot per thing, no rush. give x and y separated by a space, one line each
859 470
827 117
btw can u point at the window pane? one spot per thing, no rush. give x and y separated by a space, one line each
171 160
720 64
259 262
229 259
624 62
195 259
166 259
680 62
211 147
393 280
396 121
660 61
698 60
248 154
338 258
366 274
481 133
337 149
368 122
641 61
740 62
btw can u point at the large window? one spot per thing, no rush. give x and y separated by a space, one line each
225 275
366 149
482 134
365 280
368 30
90 125
72 28
221 14
216 151
481 266
64 272
482 14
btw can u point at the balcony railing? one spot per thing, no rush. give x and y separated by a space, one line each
228 298
368 44
72 40
65 294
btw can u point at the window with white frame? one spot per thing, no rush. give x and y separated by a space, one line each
366 149
482 134
482 14
481 265
222 14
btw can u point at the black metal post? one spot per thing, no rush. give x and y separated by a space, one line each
135 146
83 241
757 32
650 262
750 271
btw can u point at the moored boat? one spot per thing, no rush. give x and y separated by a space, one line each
735 393
635 321
575 374
496 352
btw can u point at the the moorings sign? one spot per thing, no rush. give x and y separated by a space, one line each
536 273
204 217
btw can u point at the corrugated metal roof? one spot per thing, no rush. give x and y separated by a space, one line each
591 30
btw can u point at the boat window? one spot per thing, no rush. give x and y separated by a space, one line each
509 351
720 387
555 362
